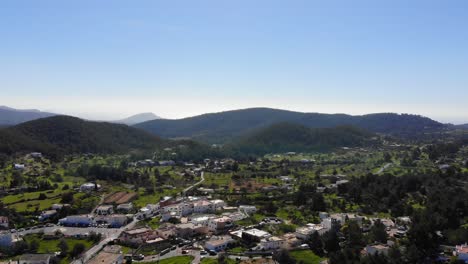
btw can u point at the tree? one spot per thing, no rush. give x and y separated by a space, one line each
330 241
67 197
63 246
283 257
42 196
33 246
378 233
315 244
354 234
78 248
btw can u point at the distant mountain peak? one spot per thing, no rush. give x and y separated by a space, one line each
138 118
12 116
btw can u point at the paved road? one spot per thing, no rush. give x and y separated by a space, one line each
109 236
196 184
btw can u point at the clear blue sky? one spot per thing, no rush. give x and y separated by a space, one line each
108 59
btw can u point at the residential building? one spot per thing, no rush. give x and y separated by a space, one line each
137 236
166 232
125 208
35 259
305 232
45 215
220 224
77 220
254 235
218 244
19 166
105 210
89 187
247 209
115 220
377 249
203 207
272 243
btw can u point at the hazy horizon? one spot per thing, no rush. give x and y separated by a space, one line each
116 117
108 61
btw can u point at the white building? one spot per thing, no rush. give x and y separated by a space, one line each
219 243
89 187
203 207
220 224
305 232
105 210
247 209
47 214
272 243
77 220
19 166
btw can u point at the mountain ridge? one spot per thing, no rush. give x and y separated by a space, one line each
11 116
223 126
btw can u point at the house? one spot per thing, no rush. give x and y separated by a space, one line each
247 209
36 155
4 222
17 166
115 220
137 236
125 208
166 232
218 244
77 220
305 232
254 235
200 220
461 252
202 207
105 210
220 224
45 215
35 259
377 249
286 179
109 255
8 239
89 187
59 206
185 230
272 243
218 204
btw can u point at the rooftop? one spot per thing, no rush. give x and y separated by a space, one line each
137 231
257 232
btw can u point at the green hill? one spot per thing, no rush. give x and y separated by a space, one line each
64 134
285 137
224 126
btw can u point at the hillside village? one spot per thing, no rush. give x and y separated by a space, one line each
213 209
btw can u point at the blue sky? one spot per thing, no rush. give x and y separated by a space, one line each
109 59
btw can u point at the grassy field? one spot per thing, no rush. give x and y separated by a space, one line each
51 245
306 257
174 260
215 261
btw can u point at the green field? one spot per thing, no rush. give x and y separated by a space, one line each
174 260
306 257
